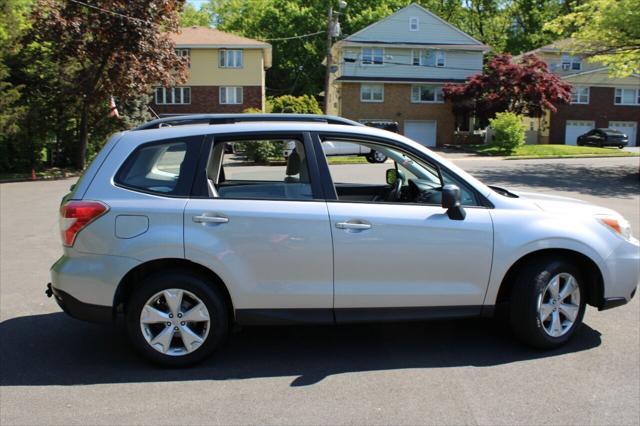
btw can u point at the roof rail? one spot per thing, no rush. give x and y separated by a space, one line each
180 120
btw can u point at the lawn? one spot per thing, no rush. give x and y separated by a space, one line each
541 151
347 159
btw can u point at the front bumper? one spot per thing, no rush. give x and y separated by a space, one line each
622 277
80 310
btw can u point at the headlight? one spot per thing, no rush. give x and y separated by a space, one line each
617 224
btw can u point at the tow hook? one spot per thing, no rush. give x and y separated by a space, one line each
48 291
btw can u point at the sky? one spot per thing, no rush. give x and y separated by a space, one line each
197 3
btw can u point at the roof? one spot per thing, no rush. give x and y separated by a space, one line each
353 78
465 40
564 45
208 37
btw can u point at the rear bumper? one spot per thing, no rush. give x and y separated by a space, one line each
80 310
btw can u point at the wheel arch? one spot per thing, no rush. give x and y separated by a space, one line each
592 274
128 283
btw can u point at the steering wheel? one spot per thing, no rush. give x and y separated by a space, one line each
396 193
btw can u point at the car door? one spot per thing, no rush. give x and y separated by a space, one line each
392 255
264 230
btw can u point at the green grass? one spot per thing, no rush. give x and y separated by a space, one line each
53 173
347 159
542 151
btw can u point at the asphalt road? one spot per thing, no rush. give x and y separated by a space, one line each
56 370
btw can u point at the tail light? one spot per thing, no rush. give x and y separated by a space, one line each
76 215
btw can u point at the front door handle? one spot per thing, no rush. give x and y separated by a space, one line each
360 226
210 219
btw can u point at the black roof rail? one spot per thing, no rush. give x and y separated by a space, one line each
180 120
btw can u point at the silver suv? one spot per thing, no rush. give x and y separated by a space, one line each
185 239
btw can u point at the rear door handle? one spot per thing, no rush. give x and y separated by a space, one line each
360 226
210 219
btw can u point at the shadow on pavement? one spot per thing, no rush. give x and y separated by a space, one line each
53 349
618 181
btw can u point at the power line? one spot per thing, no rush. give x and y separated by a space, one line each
112 12
293 37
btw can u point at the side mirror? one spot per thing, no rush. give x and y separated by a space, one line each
451 202
392 176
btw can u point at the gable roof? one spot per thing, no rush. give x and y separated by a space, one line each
564 45
203 37
394 29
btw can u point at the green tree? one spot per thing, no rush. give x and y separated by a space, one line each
191 16
606 31
295 105
101 54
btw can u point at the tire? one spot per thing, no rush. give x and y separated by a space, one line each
376 157
620 146
532 284
192 290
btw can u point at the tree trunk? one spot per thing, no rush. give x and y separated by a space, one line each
83 142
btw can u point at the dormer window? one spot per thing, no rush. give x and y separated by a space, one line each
414 23
570 63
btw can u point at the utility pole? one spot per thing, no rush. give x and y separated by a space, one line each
329 59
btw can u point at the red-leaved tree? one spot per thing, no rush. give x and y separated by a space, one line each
526 88
107 48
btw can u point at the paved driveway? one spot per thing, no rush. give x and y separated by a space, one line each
56 370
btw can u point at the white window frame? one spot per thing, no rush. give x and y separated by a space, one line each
369 60
371 88
570 61
578 98
231 58
439 58
172 91
414 23
184 53
237 98
438 96
618 93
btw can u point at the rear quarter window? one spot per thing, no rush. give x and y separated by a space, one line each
164 167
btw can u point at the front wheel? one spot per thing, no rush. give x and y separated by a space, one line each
547 303
176 318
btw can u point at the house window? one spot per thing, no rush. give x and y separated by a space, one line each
580 95
414 23
231 58
429 58
173 95
185 53
425 93
571 63
372 92
627 96
230 95
372 56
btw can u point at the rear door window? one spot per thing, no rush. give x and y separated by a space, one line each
164 167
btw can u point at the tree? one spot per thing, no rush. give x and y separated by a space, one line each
524 88
528 18
295 105
119 53
191 16
606 31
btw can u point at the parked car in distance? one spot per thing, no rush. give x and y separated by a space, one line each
603 137
333 148
183 241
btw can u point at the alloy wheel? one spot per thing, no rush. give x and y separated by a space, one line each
175 322
559 304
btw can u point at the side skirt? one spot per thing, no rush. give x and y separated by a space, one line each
356 315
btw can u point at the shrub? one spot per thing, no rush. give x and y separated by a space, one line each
508 131
261 152
295 105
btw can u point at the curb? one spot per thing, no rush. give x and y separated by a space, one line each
28 179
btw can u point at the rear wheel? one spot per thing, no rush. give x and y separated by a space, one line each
376 157
176 318
547 303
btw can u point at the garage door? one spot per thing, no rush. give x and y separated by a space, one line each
575 128
423 132
629 128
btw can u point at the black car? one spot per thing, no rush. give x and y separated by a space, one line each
604 137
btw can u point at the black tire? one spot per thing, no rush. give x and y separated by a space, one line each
620 146
371 158
527 288
198 286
